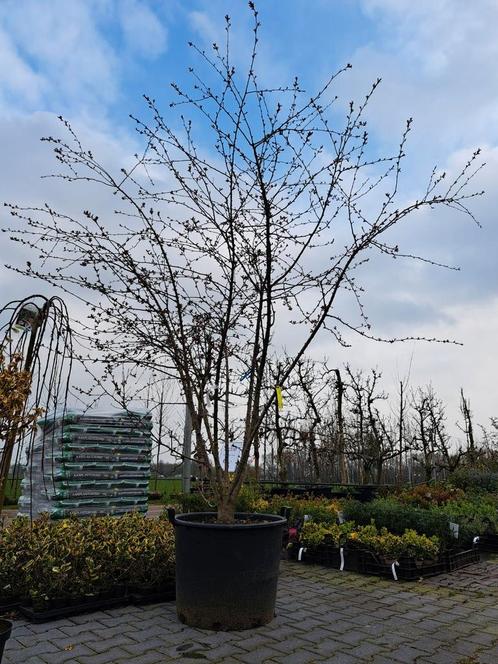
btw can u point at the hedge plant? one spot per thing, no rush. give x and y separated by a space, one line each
397 518
379 541
78 558
251 499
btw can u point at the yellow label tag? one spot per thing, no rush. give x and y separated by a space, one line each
280 399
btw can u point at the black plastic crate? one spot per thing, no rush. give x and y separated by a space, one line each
488 542
405 569
412 570
325 554
328 555
457 559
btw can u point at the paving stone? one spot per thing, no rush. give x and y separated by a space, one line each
366 650
87 627
135 648
292 643
342 658
106 657
428 643
444 657
300 656
35 650
329 648
255 641
119 641
226 652
63 656
406 654
151 657
351 637
488 656
318 634
323 616
482 638
261 654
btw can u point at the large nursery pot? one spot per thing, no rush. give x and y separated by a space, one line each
226 574
5 630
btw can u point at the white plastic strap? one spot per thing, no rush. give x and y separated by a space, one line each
300 554
393 569
341 551
475 540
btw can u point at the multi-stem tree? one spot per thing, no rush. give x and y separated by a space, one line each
373 436
251 207
429 436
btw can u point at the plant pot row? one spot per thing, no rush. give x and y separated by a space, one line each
489 542
53 609
366 562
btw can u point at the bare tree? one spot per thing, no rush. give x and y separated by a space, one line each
223 240
472 452
374 435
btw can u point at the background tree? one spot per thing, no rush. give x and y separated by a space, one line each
254 212
373 436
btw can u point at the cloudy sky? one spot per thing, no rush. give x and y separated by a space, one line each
91 60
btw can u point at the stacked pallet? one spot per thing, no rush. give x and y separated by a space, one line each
88 464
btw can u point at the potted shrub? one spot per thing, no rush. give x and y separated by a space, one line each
408 556
258 221
323 543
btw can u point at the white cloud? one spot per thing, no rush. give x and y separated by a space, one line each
437 61
63 41
143 31
18 81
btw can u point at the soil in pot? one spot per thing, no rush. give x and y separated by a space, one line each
226 574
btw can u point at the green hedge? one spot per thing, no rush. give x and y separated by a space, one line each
475 480
475 515
397 518
72 558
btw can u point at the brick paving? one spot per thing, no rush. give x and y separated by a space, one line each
322 616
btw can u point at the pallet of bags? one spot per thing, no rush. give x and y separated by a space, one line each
87 464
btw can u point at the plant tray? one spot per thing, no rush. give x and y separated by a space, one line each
488 543
46 615
11 605
152 594
407 569
457 559
330 556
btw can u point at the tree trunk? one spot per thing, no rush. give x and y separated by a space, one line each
379 471
343 473
282 472
314 457
226 509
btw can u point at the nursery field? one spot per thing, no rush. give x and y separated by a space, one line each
406 534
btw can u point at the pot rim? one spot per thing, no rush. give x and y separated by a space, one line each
261 521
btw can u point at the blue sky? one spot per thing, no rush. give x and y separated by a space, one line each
91 60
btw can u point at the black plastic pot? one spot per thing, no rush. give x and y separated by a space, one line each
226 574
5 630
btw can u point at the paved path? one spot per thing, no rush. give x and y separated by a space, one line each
323 616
